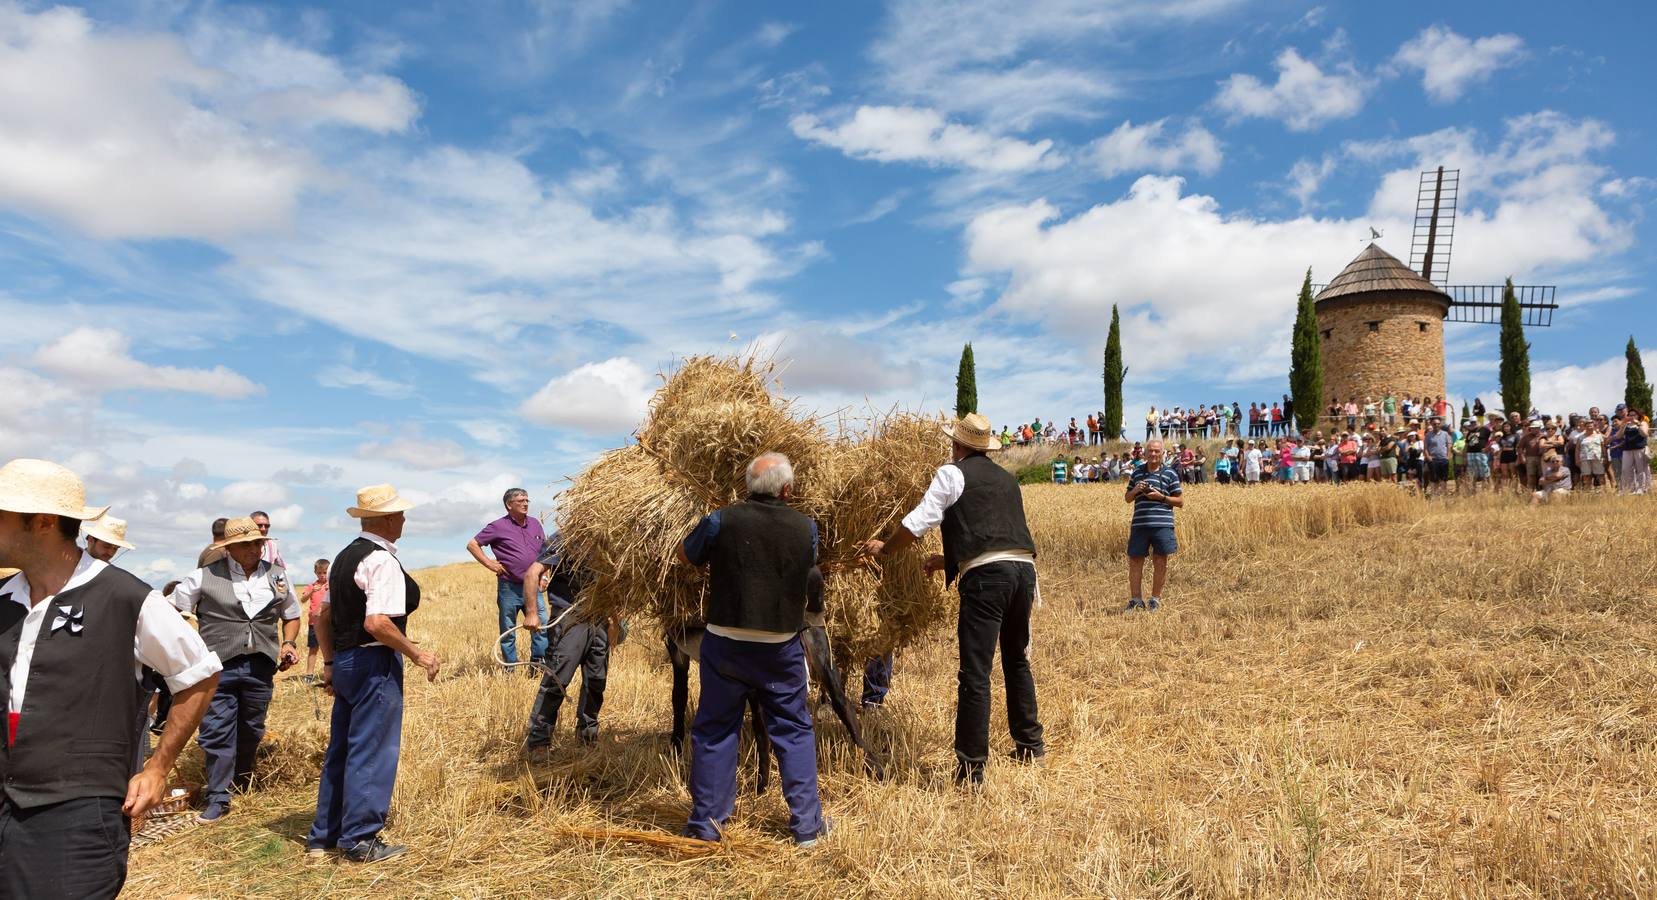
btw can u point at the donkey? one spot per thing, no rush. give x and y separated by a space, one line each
685 644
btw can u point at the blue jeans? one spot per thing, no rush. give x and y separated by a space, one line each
365 736
509 598
877 680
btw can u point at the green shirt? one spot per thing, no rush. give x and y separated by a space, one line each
1390 405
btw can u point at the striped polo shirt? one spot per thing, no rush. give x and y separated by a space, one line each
1150 513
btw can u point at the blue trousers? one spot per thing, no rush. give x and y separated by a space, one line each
235 724
364 737
776 675
877 680
509 597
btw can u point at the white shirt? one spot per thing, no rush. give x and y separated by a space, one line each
1251 460
164 642
380 576
948 483
255 592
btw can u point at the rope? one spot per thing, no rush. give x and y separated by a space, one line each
500 655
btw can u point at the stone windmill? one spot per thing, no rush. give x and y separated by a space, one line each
1382 322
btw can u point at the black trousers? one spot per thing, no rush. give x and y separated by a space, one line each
573 645
995 608
72 850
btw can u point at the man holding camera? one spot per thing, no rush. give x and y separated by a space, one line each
1154 491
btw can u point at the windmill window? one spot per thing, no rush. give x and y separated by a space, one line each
1421 326
1327 332
1374 326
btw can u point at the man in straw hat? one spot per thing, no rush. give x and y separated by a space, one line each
987 545
759 555
241 603
67 787
106 536
364 631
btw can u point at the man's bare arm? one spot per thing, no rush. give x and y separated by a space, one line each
146 788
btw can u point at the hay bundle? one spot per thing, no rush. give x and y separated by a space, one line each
624 516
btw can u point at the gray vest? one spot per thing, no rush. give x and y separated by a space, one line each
224 624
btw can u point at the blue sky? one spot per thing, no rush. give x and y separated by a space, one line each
258 255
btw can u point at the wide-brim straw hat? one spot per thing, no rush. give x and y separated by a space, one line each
35 486
241 531
378 500
110 530
973 430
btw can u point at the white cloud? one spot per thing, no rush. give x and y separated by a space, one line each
411 448
602 398
913 134
284 518
489 432
349 378
1304 97
99 360
1306 177
133 135
1144 148
250 495
1015 64
1569 389
814 358
1450 63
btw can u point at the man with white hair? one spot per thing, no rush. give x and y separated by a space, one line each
74 632
759 555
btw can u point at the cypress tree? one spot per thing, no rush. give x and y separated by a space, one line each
1114 375
1466 411
1515 371
966 384
1637 393
1305 361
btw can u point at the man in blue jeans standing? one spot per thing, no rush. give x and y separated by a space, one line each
515 539
1154 491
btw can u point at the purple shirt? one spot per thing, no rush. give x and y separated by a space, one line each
514 546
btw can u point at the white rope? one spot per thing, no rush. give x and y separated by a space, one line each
500 655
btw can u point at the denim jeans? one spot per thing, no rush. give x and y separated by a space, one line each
365 737
509 598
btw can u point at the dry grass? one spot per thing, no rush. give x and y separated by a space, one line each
1455 702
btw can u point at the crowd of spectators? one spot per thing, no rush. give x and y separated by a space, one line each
1412 441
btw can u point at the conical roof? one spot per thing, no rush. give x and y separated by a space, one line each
1376 270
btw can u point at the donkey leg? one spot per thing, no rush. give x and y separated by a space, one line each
681 691
822 663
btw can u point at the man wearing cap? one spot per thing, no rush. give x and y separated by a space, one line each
364 634
760 554
987 546
105 537
574 644
68 623
241 603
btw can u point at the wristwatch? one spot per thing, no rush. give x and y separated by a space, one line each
292 644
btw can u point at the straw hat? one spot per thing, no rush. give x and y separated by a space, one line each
241 531
973 430
378 500
33 486
110 530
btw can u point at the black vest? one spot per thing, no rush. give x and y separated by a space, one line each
989 515
78 728
759 566
349 603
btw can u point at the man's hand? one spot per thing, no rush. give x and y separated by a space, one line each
428 660
871 549
326 682
290 656
934 563
532 617
494 565
144 791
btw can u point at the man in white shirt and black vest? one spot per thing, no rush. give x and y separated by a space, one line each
364 635
988 548
759 555
74 634
241 602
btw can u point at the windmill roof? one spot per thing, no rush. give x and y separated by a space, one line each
1375 270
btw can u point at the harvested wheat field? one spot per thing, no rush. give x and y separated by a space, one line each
1348 693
